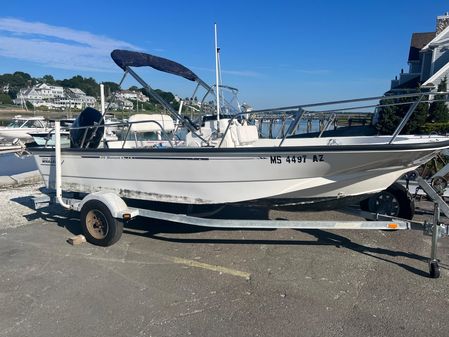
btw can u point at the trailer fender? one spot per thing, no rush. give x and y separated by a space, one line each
112 201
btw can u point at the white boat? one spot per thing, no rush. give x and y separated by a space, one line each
225 161
21 127
145 130
10 148
44 138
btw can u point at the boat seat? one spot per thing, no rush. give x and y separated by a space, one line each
247 134
240 135
230 138
193 141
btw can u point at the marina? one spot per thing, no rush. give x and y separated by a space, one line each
147 189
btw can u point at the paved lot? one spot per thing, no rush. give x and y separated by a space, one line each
163 279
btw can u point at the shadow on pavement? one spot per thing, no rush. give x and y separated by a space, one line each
53 213
155 229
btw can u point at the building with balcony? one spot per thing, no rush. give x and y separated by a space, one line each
428 59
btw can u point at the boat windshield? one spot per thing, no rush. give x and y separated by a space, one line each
229 101
33 124
20 123
16 123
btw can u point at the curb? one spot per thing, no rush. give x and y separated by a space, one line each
25 178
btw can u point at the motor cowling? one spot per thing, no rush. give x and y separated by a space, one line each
92 136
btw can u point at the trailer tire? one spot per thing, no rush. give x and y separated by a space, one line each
99 226
396 201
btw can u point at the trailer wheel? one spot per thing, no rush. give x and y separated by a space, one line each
396 201
99 226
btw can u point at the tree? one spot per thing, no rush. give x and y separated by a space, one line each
110 87
16 81
48 79
438 111
418 119
88 85
391 115
5 99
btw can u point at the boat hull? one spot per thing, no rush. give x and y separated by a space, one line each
20 133
214 176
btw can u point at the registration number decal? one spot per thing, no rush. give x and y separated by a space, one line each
299 159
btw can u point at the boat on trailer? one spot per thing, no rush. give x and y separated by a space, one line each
226 161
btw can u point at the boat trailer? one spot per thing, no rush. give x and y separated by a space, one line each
102 215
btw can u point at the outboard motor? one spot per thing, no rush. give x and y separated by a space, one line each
93 135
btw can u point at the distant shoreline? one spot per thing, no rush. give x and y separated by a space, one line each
7 114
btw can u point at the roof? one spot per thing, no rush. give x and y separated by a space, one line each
77 91
441 37
435 78
419 41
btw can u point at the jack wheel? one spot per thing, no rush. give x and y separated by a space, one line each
99 226
434 269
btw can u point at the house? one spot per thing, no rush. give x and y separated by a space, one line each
120 104
132 95
79 97
49 91
4 89
28 94
55 97
428 59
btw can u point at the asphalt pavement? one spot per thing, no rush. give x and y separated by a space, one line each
165 279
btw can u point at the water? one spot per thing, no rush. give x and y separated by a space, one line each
10 164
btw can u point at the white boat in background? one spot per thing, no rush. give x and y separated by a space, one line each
224 160
20 128
145 130
45 138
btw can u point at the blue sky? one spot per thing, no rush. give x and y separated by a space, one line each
275 52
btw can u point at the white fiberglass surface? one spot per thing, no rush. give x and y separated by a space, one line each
361 140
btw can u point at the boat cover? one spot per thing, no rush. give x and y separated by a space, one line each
127 58
92 136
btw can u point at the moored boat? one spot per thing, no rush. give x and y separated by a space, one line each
20 128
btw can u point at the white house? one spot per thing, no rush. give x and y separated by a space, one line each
49 91
5 89
55 97
121 104
29 94
132 95
428 59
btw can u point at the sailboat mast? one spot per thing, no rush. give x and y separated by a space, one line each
217 75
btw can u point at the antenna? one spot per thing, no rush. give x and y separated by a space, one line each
217 75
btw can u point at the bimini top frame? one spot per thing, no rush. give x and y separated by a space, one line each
126 59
